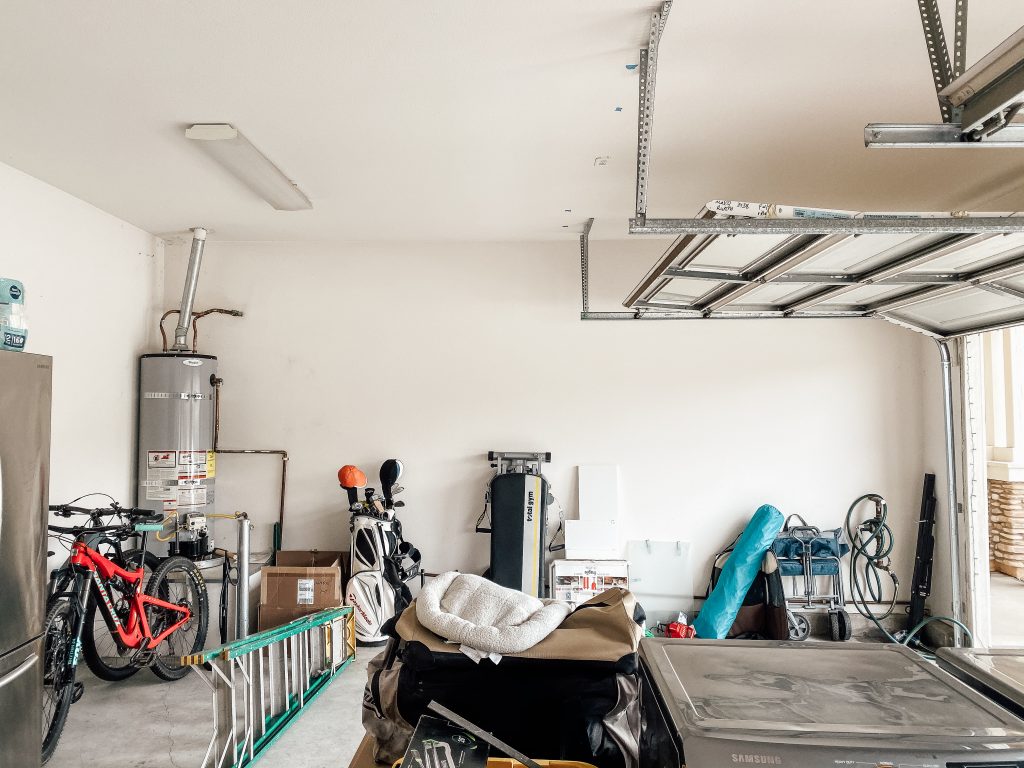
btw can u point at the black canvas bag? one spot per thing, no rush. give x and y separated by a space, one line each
762 616
574 696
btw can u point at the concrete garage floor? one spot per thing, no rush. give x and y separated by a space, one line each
170 723
1007 596
167 725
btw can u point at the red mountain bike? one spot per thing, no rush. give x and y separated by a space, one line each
99 605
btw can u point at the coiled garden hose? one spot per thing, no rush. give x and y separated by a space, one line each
871 543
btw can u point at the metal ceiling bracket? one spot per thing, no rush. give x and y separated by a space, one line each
938 55
941 135
637 315
899 279
888 225
989 111
978 105
648 71
585 264
813 278
650 314
959 39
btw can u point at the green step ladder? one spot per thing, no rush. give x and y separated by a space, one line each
261 683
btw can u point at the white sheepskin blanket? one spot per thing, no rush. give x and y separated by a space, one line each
484 617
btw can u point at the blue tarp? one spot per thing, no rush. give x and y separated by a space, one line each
720 609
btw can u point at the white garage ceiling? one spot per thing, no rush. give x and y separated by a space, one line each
481 120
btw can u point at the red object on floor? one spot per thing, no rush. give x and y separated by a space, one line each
675 629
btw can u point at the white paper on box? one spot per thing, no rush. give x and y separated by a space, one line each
599 491
305 592
592 540
576 581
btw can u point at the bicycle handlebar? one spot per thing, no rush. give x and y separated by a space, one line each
77 529
133 515
140 515
66 510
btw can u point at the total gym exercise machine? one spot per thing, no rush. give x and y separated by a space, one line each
517 501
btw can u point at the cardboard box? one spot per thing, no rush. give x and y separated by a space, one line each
316 558
287 592
312 558
363 757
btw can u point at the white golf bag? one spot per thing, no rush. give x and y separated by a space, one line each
381 561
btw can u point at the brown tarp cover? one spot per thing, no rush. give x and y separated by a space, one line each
602 629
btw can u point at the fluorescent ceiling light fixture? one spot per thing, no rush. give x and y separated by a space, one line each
225 144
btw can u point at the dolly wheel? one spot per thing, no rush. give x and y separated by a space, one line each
839 625
799 628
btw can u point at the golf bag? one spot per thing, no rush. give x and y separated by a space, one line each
381 560
517 499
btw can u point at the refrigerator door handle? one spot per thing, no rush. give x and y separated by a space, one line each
19 670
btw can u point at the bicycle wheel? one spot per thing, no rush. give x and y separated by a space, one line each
58 672
177 581
105 656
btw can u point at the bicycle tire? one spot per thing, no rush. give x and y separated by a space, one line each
103 654
58 681
190 638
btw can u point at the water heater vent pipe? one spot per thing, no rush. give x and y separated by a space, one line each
188 295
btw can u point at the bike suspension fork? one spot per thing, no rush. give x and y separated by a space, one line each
83 585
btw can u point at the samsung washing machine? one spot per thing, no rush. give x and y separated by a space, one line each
998 673
717 703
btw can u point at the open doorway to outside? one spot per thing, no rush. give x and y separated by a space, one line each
999 416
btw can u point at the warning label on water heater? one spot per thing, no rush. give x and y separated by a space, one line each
192 466
162 493
162 459
178 478
191 497
192 457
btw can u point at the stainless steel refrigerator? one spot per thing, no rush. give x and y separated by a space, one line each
24 483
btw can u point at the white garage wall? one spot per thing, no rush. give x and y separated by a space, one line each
92 283
437 353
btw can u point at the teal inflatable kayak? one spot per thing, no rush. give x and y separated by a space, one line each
720 609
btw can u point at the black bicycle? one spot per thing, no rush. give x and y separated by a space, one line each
121 609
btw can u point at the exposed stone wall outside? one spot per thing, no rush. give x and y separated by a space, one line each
1006 527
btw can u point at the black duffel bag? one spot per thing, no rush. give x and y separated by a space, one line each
573 696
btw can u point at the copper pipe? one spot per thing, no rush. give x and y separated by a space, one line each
204 313
163 333
195 317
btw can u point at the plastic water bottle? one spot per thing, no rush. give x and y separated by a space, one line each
13 323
